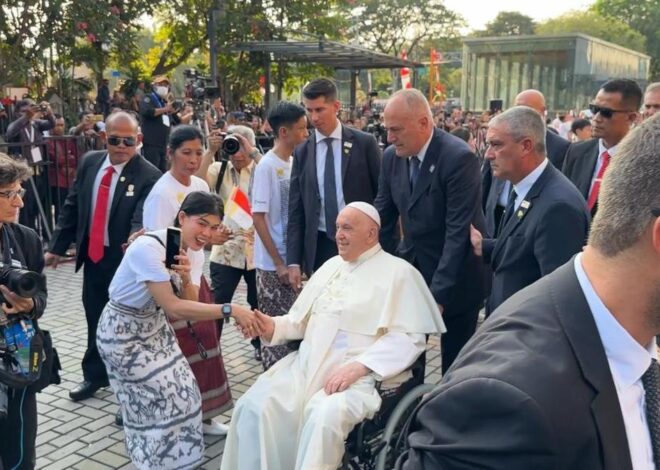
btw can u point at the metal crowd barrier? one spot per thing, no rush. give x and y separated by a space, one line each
51 177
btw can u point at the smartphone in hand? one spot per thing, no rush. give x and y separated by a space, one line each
172 246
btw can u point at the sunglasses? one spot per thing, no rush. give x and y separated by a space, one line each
607 113
11 194
656 211
127 141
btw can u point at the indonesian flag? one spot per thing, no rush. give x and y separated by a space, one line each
405 73
237 208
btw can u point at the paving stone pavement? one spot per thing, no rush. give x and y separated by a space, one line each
83 435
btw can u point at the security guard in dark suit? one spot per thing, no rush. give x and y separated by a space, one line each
157 116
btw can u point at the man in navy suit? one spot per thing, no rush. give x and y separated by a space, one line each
496 190
337 165
545 221
615 111
430 180
565 374
99 239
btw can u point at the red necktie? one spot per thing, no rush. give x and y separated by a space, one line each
593 195
97 232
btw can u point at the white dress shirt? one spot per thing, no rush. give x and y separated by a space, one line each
524 185
321 150
628 360
95 191
599 162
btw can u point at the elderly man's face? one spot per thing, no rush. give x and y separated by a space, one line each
356 233
651 103
504 153
407 130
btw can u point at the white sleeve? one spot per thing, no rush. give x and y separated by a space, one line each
155 215
261 188
286 330
393 353
146 260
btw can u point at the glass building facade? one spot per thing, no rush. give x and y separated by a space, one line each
568 69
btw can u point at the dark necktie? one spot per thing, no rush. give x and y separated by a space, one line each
651 382
97 231
414 170
510 206
330 192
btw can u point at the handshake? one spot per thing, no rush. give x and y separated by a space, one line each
253 323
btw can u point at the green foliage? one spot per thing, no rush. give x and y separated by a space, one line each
509 23
392 26
640 15
593 24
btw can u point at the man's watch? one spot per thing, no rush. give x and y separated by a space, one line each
226 310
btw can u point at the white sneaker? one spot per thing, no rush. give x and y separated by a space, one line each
215 429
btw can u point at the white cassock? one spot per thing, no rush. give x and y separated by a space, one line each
376 311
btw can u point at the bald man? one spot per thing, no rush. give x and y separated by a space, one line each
556 146
103 207
651 100
362 317
431 181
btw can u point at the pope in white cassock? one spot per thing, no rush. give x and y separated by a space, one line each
363 317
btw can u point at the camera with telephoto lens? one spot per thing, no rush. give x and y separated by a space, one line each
231 145
15 334
197 87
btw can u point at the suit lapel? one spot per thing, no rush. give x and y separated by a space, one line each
429 166
580 328
591 158
516 218
88 186
125 180
311 164
347 137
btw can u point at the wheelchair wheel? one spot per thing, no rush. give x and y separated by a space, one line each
393 443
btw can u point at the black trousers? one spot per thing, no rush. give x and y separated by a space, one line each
225 279
15 429
156 155
461 325
325 249
96 281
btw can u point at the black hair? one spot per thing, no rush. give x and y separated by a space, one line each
284 114
57 116
23 103
579 124
183 133
199 203
462 133
631 93
83 114
320 87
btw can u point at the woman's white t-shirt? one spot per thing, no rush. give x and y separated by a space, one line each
143 262
165 198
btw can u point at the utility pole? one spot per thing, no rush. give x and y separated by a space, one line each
215 15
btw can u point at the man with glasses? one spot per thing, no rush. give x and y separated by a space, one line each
615 110
103 207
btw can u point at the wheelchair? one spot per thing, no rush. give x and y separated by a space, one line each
376 443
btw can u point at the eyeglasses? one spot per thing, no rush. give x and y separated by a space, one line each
656 211
12 193
127 141
607 113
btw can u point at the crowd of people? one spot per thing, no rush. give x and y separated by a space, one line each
355 253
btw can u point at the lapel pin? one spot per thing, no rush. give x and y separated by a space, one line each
525 204
348 144
432 169
122 178
130 192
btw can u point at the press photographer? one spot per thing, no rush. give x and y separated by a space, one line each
21 250
157 117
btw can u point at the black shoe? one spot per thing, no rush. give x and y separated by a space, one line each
257 354
85 390
119 419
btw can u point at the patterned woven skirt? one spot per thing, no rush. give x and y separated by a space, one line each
155 386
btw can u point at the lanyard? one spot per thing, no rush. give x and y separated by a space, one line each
158 100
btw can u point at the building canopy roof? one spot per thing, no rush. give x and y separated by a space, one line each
330 53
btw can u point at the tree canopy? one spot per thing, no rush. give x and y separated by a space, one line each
509 23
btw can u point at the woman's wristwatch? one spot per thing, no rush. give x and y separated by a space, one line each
226 311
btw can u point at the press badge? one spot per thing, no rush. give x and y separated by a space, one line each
36 154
